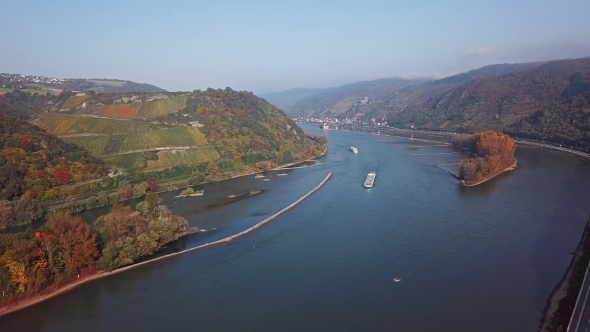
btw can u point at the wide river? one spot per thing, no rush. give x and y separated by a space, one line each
485 258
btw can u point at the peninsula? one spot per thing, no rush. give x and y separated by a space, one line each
493 154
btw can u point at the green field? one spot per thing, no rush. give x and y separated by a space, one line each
107 83
31 91
156 108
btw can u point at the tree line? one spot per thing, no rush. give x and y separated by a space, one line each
66 247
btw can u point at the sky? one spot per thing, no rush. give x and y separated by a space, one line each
264 46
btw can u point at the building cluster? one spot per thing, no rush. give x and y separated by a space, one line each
18 78
334 122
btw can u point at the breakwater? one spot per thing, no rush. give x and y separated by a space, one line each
42 297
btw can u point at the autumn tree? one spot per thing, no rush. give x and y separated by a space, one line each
6 214
62 176
77 240
152 184
125 190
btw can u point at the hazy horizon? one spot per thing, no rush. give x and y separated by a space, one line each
265 46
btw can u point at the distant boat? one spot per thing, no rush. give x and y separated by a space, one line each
370 180
282 174
324 126
266 180
258 176
353 149
397 279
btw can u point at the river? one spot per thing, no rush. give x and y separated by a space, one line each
484 258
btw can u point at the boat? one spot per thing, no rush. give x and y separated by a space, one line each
266 180
353 149
258 176
370 180
397 279
324 126
282 174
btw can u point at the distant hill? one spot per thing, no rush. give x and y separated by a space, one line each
135 132
416 94
341 100
287 98
42 84
551 98
109 86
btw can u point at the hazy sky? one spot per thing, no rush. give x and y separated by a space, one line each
265 46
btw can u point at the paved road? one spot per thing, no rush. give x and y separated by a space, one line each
580 321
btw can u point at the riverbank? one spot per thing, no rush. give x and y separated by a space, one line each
561 304
510 168
165 186
44 296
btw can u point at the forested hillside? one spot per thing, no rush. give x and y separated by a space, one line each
550 99
33 161
417 94
339 100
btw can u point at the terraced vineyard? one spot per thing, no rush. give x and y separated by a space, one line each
127 161
110 139
193 156
123 111
75 101
62 124
162 162
177 136
94 144
156 108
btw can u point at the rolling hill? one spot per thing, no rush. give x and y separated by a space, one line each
340 100
287 98
42 84
135 132
550 99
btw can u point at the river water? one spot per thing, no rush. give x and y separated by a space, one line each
470 259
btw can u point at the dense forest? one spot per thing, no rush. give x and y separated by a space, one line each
67 247
494 151
244 128
551 100
32 161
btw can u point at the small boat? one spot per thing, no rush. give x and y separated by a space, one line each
258 176
231 196
266 180
353 149
397 279
282 174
